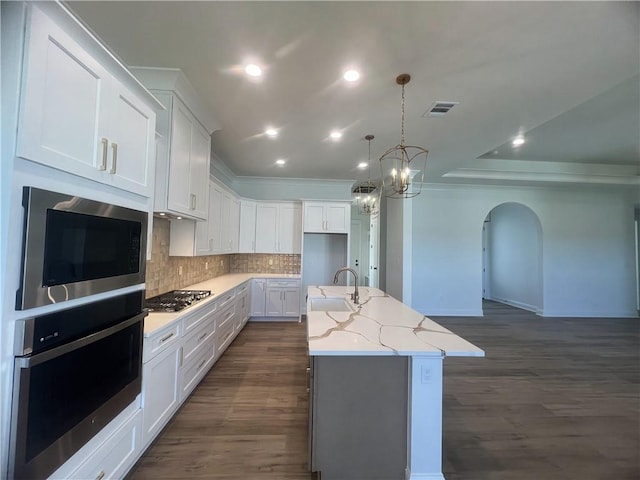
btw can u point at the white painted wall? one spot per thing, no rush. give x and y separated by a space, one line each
514 256
587 248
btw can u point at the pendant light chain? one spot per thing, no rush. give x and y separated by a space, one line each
402 128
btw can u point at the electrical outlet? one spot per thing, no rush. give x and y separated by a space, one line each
180 270
271 261
206 265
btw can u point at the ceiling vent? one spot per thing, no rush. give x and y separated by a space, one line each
439 109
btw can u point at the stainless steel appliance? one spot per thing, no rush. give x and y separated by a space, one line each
175 300
73 247
75 370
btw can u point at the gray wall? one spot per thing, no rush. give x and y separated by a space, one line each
587 248
514 256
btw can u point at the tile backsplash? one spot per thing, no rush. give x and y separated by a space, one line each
165 273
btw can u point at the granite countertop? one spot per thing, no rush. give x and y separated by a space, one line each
381 325
218 286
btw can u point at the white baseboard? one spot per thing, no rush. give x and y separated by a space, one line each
589 314
274 319
448 312
517 304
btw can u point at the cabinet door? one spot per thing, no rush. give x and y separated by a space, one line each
289 231
234 225
274 302
216 196
291 302
61 119
179 195
160 392
258 297
266 228
199 171
131 156
247 241
230 223
338 218
314 217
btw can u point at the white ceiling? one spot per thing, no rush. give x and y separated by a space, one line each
564 74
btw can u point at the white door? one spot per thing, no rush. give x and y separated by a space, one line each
355 247
374 248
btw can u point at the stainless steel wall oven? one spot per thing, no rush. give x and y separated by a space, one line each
74 247
75 370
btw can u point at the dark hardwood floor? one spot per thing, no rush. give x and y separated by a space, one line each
555 398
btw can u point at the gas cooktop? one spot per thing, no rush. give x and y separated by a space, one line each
175 300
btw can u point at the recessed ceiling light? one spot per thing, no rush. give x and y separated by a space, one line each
271 132
253 70
162 214
517 141
280 162
351 75
363 165
335 135
178 218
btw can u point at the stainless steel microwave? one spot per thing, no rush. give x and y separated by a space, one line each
74 247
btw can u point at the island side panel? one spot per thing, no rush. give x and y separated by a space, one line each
359 417
425 419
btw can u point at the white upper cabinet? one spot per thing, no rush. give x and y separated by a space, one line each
278 228
183 160
327 217
77 117
217 235
247 241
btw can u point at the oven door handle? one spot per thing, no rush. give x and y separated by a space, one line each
33 360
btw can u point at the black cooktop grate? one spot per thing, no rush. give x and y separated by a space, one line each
175 300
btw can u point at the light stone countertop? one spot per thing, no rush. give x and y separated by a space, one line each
218 286
381 325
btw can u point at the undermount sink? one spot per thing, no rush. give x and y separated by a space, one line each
331 304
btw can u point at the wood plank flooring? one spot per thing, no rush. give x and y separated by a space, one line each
554 399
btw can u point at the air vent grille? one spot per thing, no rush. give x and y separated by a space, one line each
439 109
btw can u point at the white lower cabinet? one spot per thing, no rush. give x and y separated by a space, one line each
258 297
160 386
194 370
281 298
243 305
117 454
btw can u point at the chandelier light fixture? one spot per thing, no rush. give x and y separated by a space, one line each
365 192
403 166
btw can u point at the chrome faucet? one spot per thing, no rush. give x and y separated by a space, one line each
355 296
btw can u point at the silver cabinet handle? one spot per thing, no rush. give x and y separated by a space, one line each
201 364
166 337
193 201
114 163
181 356
105 148
202 336
100 475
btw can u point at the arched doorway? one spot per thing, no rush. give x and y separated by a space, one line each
512 257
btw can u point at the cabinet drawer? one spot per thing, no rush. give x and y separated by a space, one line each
225 299
194 320
225 316
116 455
242 289
194 370
286 283
197 338
160 341
224 336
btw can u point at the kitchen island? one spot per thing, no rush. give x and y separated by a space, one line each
375 386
